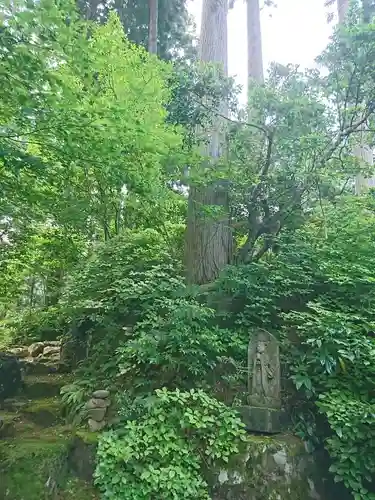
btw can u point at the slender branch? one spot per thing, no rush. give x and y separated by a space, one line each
345 133
236 122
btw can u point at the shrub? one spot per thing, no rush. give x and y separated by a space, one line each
38 325
163 453
318 292
352 443
177 345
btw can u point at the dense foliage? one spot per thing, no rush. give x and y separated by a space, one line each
319 291
98 144
162 452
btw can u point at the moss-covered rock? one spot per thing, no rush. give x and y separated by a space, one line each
48 385
44 412
15 424
269 468
7 424
36 466
82 456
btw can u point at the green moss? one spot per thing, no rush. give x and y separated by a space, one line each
27 463
78 489
7 416
14 425
87 437
47 385
44 412
34 454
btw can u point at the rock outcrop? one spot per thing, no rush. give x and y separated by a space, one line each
10 376
40 358
269 468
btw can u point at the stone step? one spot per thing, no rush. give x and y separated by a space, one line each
43 412
37 386
15 424
42 367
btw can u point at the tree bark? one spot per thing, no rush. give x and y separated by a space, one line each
153 27
254 43
342 9
209 245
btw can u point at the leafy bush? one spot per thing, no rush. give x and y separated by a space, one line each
332 358
123 278
73 400
352 443
176 345
163 453
127 278
146 329
37 325
317 292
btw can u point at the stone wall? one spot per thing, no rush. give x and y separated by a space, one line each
269 468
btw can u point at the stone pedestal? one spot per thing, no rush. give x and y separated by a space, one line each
264 420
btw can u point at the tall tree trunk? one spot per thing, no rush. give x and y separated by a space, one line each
254 43
153 26
342 9
209 234
368 11
362 151
32 292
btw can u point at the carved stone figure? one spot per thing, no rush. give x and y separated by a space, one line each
264 400
264 370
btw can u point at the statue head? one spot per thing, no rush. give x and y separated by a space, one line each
261 347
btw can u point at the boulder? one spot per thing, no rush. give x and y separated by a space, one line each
52 343
95 426
72 351
10 376
19 352
268 468
97 403
101 394
51 350
97 414
35 349
82 457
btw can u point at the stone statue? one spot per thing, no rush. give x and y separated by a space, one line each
264 370
264 400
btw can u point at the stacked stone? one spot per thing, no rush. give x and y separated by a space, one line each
97 408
